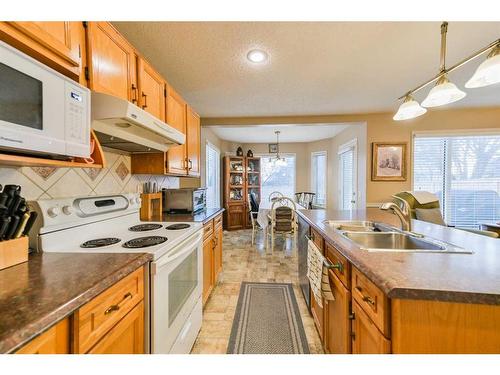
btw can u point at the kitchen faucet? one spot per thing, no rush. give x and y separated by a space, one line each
402 213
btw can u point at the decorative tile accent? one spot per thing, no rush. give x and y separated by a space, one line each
44 172
70 185
92 172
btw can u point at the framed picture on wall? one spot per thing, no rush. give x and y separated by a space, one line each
388 161
273 148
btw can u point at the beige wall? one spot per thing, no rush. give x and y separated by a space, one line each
382 128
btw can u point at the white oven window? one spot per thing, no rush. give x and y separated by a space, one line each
182 281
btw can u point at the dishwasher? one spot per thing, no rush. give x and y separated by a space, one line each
302 243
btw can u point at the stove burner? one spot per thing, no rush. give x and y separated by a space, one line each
178 226
144 242
100 242
144 227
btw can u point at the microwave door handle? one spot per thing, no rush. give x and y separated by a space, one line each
193 243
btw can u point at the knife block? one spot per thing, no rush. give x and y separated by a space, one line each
13 252
151 206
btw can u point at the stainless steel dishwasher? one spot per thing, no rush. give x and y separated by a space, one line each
304 228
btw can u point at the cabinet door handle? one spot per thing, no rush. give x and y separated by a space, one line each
116 307
134 91
145 105
369 300
190 164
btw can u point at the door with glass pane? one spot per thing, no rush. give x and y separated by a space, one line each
212 176
347 177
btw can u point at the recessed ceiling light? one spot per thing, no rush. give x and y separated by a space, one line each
257 56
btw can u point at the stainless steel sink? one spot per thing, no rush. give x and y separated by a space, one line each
400 242
352 226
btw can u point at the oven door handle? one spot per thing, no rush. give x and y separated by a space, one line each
183 248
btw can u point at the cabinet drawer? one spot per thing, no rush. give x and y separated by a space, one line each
218 220
372 300
318 240
93 320
208 229
344 271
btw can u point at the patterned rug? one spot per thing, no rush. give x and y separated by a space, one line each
267 321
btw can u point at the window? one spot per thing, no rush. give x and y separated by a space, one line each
278 176
347 175
318 177
464 172
213 176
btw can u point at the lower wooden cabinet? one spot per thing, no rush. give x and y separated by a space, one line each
126 337
53 341
337 319
208 256
212 255
318 316
366 338
235 216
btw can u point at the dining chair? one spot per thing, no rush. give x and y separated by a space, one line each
283 219
274 195
253 218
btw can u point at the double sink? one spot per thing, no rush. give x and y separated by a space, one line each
378 237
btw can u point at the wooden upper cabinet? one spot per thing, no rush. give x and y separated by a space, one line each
193 140
59 45
112 62
176 117
151 89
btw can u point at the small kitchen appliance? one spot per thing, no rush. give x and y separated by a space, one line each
186 200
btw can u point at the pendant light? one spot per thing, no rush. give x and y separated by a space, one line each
488 73
409 109
444 92
278 160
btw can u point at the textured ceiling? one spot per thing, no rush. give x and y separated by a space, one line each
314 68
289 133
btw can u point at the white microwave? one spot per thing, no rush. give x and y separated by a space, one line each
41 111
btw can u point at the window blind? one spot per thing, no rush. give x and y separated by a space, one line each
464 172
319 177
212 176
346 179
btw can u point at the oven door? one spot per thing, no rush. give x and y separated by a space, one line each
176 287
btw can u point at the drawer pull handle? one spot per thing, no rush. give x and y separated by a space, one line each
337 266
112 308
369 300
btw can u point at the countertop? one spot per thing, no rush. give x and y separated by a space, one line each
202 216
467 278
37 294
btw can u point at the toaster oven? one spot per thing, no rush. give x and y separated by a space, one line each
186 200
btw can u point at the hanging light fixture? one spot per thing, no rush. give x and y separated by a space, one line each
278 160
445 92
488 73
409 109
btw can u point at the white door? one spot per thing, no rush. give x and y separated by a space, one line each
348 176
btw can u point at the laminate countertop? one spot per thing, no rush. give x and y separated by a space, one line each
37 294
466 278
202 216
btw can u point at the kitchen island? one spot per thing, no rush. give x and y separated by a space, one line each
38 294
408 302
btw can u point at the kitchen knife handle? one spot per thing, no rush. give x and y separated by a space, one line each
22 224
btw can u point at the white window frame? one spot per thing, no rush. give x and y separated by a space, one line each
282 154
314 174
352 144
208 145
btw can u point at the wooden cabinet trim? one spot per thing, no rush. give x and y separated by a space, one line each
53 341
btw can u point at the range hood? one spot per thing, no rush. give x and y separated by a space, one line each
121 125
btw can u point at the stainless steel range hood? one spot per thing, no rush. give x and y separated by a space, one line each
121 125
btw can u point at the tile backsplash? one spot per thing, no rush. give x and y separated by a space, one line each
49 182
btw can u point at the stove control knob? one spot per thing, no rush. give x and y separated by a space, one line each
67 210
53 211
131 200
138 200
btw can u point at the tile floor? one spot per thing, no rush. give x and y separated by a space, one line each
244 262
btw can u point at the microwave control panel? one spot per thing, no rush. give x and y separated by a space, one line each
77 120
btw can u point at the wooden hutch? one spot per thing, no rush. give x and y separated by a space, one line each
241 177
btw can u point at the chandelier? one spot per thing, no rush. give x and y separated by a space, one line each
445 92
277 159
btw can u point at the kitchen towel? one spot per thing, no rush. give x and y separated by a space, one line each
317 274
423 197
